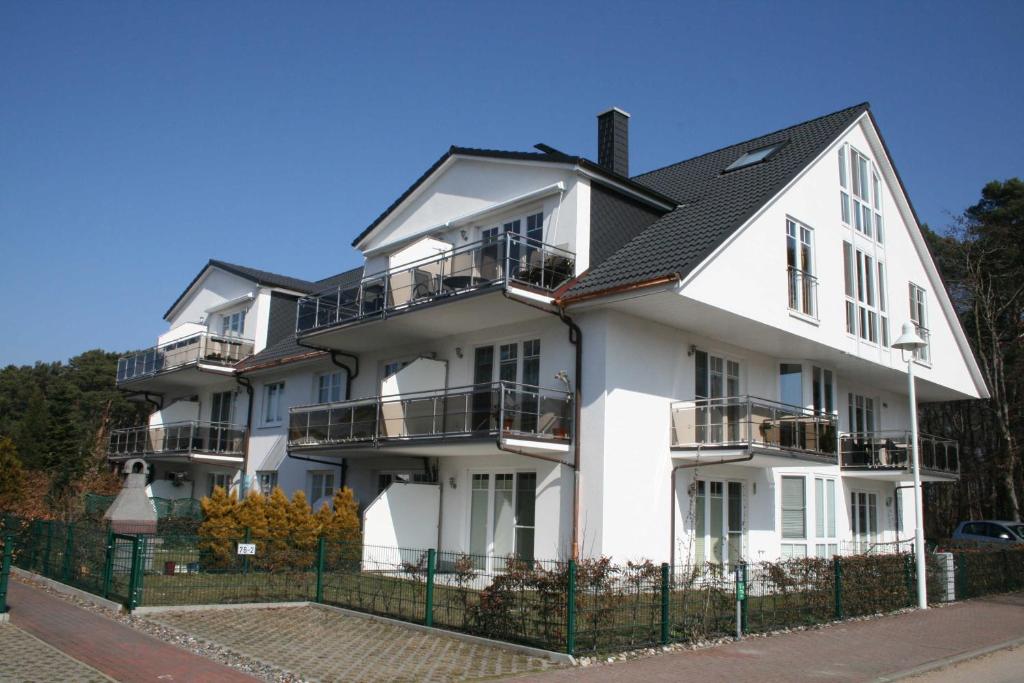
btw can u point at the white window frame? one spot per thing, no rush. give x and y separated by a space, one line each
862 212
273 404
222 479
266 480
783 509
702 555
327 481
865 296
868 426
232 324
826 496
802 285
863 539
329 387
494 563
919 317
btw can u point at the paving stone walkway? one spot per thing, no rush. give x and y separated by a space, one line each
325 645
122 653
26 659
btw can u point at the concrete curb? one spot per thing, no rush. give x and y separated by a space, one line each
949 661
5 617
161 609
68 590
559 657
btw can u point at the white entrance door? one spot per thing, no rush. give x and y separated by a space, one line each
718 522
502 518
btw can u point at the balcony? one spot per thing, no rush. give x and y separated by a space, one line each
510 262
213 442
482 419
887 455
771 433
196 360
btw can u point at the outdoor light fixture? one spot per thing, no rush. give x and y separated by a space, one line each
451 481
910 341
465 235
458 351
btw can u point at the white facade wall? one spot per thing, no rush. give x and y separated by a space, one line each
748 275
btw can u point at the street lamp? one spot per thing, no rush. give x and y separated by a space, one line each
910 341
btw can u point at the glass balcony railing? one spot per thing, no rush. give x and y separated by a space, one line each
203 347
503 260
745 421
177 438
500 408
892 450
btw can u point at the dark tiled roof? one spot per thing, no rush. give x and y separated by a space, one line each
348 277
547 154
260 277
286 350
713 204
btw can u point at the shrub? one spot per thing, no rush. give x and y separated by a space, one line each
219 531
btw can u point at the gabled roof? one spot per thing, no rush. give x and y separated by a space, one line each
714 203
261 278
545 155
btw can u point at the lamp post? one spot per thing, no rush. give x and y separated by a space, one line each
910 341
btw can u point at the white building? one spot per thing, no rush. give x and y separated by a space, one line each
541 351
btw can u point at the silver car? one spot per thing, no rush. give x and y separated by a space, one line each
990 531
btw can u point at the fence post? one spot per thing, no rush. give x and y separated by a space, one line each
49 546
743 567
837 565
1006 571
428 618
135 576
570 611
108 563
321 546
664 603
69 549
35 534
245 558
5 569
909 578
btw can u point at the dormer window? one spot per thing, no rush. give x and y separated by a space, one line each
755 156
233 324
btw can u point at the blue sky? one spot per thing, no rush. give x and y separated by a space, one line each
137 140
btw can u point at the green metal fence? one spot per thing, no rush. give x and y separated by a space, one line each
6 553
166 508
590 606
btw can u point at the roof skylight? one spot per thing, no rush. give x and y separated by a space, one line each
755 156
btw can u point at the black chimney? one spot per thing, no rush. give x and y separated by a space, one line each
613 140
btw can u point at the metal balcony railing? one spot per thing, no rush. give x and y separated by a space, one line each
803 292
746 421
502 260
177 438
892 450
503 408
204 347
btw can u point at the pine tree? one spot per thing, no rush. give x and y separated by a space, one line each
303 531
275 510
342 532
12 478
32 432
219 531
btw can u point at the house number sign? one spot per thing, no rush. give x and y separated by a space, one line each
246 548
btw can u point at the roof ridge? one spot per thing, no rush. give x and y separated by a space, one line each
865 105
